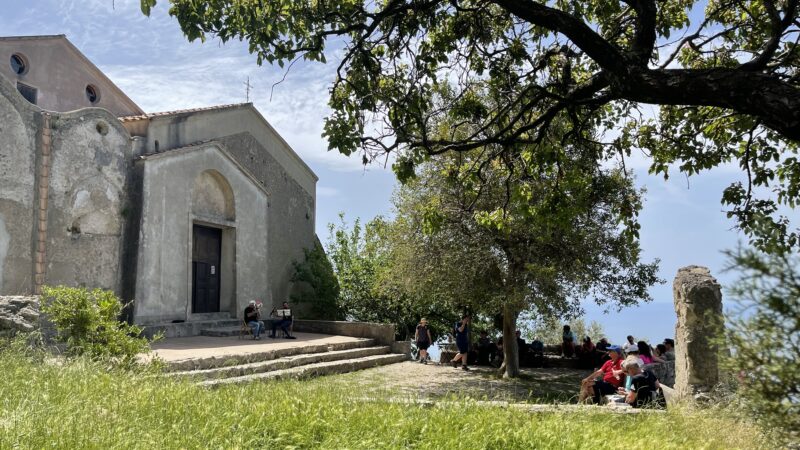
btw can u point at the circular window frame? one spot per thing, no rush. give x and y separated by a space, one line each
22 60
90 90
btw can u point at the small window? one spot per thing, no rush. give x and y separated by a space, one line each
29 92
18 64
92 94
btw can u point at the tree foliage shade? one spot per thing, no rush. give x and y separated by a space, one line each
726 83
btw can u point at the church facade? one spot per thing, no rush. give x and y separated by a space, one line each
187 214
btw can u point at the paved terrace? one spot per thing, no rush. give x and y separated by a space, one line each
181 349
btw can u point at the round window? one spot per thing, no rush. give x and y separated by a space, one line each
92 94
18 64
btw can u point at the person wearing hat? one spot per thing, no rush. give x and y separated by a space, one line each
252 316
423 338
604 381
632 350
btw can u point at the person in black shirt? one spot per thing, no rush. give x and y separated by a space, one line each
644 386
422 336
486 349
283 321
252 316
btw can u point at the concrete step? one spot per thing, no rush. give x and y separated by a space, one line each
211 362
286 362
313 370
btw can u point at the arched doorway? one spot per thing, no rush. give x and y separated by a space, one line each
213 222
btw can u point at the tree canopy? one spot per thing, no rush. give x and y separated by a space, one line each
727 84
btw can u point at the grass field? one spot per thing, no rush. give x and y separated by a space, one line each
81 404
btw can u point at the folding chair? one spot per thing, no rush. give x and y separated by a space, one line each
245 330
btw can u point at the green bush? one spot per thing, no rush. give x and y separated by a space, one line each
88 322
320 283
764 338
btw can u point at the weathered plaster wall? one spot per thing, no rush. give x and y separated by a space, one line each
60 73
163 286
90 165
178 130
291 217
17 162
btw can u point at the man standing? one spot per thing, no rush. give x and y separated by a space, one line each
282 318
252 314
461 330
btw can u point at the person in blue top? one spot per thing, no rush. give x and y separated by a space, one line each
461 330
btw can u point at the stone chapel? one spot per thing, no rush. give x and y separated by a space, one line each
187 214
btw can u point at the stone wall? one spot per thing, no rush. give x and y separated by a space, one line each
698 304
291 213
18 134
381 332
89 172
18 314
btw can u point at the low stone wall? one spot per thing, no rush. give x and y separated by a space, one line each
18 314
665 372
383 334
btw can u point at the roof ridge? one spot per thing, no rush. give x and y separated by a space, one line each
34 36
179 111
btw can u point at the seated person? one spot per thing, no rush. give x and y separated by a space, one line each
283 319
605 380
537 353
586 353
646 354
500 351
644 385
252 316
602 345
486 349
568 342
522 349
670 353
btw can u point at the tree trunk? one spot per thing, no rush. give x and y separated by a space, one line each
511 358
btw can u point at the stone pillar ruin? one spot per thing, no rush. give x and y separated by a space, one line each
698 304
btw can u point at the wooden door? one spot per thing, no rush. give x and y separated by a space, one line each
206 251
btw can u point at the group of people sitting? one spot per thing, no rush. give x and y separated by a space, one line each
624 373
281 318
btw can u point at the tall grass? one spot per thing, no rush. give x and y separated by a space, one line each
81 404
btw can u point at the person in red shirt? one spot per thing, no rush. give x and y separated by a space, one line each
611 373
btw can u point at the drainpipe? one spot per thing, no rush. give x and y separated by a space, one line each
40 253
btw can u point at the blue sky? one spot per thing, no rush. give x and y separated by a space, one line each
682 221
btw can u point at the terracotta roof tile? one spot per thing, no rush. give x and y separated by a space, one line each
178 111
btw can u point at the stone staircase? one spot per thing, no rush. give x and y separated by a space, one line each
301 361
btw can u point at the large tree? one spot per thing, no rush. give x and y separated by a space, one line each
508 238
727 82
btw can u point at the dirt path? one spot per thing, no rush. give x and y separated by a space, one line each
434 381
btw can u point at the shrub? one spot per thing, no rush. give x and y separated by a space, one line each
764 340
321 289
88 322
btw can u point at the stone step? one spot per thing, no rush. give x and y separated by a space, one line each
211 362
314 370
286 362
184 329
226 331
